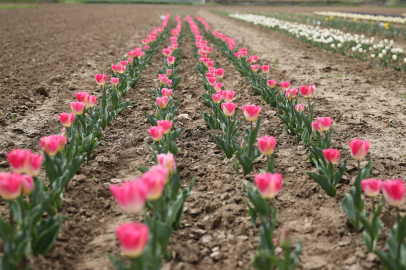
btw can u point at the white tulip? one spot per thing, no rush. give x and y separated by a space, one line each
353 49
372 56
394 57
384 52
380 56
360 50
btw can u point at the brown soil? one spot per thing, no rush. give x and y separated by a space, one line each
74 42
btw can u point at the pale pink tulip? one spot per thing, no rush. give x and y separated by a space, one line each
359 148
167 160
10 185
266 145
27 184
371 186
394 192
251 112
162 102
331 155
228 108
299 108
166 125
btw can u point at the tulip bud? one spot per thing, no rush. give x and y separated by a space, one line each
130 60
243 144
394 57
372 56
162 102
66 119
284 240
394 192
271 83
254 68
133 238
166 125
331 155
299 108
101 79
217 98
228 108
77 107
266 145
265 69
10 185
359 148
268 184
169 72
371 187
146 48
114 81
156 133
251 112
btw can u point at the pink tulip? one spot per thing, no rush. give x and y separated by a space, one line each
228 108
156 133
121 69
266 145
169 83
291 93
140 54
210 63
251 112
371 187
167 52
133 238
209 75
163 79
115 68
166 125
155 181
171 60
271 83
217 86
91 102
52 144
162 102
220 73
132 54
130 195
284 85
123 63
66 119
315 126
82 97
324 123
27 184
18 160
254 68
77 107
145 41
265 69
146 48
211 80
394 192
169 72
331 155
253 58
166 92
237 54
162 170
359 148
10 185
268 184
306 91
299 108
243 144
101 79
228 95
217 98
130 60
34 164
114 81
168 161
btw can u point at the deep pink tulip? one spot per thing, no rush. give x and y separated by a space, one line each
217 86
220 73
284 85
101 79
171 60
243 144
359 148
166 125
155 181
10 185
371 186
251 112
299 108
306 91
266 145
253 58
130 195
115 68
265 68
210 63
114 81
156 133
82 97
162 102
18 160
91 102
27 184
268 184
315 126
217 98
52 144
168 161
123 63
121 69
77 107
331 155
169 83
133 238
394 192
291 93
132 54
324 123
34 164
167 52
145 41
254 68
228 108
228 95
210 74
66 119
271 83
166 92
211 80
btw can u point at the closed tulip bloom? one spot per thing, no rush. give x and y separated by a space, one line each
251 112
166 125
253 58
101 79
211 80
359 148
27 184
130 195
324 123
268 184
162 102
156 133
163 79
77 107
166 92
114 81
146 48
52 144
167 52
299 108
228 95
284 85
217 86
265 68
123 63
238 55
171 60
130 60
169 83
394 192
210 63
18 160
121 69
91 102
66 119
155 181
271 83
210 74
254 68
291 93
315 126
169 72
220 73
82 97
168 161
331 155
132 54
266 145
115 68
163 170
306 91
10 185
145 41
34 164
371 187
133 238
228 108
217 98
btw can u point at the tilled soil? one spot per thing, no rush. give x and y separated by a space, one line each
72 43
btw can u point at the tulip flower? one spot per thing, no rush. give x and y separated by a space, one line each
217 86
114 81
169 72
82 97
266 145
132 54
163 79
77 107
306 91
156 133
34 164
228 95
251 112
123 63
271 83
284 85
162 102
146 48
359 148
168 161
167 52
291 93
166 92
10 185
217 98
315 126
140 54
324 123
169 83
331 155
170 60
144 41
18 160
130 195
299 108
162 170
115 68
66 119
268 184
121 69
265 69
210 63
155 181
254 68
243 144
228 108
52 144
91 102
166 125
394 192
101 79
27 184
211 80
209 75
237 55
253 59
133 238
371 187
220 73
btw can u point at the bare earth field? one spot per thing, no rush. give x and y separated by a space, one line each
63 46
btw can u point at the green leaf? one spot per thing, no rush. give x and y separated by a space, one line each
6 232
227 149
47 231
339 173
246 163
323 182
176 133
119 265
260 204
254 133
143 169
389 262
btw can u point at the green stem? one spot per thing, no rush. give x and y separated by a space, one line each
310 111
229 124
249 152
357 187
400 242
373 221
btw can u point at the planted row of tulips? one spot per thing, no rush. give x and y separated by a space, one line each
268 183
320 153
33 223
156 194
